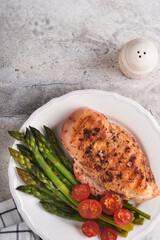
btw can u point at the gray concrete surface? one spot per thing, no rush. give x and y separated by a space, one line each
51 47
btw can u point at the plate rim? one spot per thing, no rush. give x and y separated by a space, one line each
61 98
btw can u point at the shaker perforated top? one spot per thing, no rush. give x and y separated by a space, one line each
137 58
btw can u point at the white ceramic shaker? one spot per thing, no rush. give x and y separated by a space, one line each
138 58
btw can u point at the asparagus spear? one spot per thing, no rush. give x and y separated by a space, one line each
43 196
136 215
32 190
107 225
48 153
30 179
26 164
22 160
76 217
108 219
60 175
132 208
54 210
17 135
60 153
138 221
48 171
25 151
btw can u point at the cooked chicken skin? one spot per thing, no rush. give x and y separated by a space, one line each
107 157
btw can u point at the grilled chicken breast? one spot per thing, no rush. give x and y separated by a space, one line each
107 157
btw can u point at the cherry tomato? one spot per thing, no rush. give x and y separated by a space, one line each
81 192
108 234
90 228
123 217
111 202
90 208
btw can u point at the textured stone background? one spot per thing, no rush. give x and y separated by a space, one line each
51 47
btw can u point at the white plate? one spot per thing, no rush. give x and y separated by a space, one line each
124 111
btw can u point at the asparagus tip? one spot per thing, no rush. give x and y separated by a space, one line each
19 188
45 127
32 128
27 130
19 170
28 134
20 145
11 150
17 135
